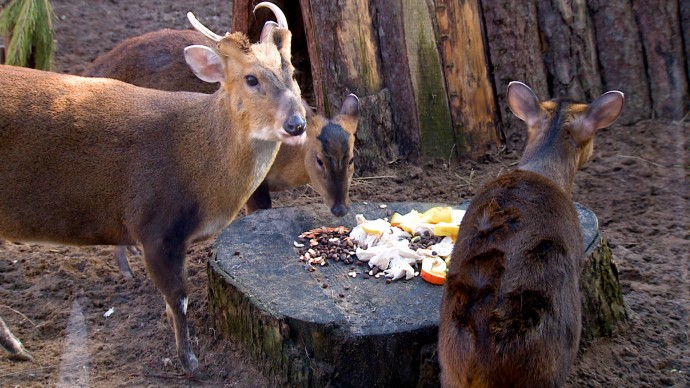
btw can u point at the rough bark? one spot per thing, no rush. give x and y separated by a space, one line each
570 53
395 71
425 72
466 70
621 57
514 55
375 144
603 310
347 50
685 27
661 38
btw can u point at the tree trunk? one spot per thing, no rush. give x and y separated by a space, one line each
621 57
603 309
343 46
466 69
514 55
663 46
395 70
570 52
435 127
685 27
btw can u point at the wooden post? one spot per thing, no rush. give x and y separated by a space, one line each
570 52
515 55
621 57
344 49
663 47
396 70
465 65
685 27
424 70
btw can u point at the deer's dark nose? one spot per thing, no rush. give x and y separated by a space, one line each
295 125
339 210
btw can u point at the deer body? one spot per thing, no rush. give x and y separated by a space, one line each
510 313
210 178
99 161
152 60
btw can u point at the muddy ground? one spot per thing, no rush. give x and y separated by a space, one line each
54 297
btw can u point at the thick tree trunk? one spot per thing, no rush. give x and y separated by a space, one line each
663 46
424 70
344 47
515 55
395 70
466 69
621 57
685 27
570 52
603 309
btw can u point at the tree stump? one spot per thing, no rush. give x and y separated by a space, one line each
326 328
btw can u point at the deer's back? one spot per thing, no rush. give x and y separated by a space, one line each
511 310
153 60
106 148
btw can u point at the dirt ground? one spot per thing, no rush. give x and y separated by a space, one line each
54 297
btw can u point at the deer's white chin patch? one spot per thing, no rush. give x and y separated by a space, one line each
293 140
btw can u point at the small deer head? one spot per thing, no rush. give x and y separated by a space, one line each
256 78
560 133
330 156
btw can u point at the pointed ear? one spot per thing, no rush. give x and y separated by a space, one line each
205 63
266 31
349 113
603 111
523 102
350 106
282 38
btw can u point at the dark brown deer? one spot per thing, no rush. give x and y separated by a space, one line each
99 161
510 315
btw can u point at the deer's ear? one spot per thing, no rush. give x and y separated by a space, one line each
523 102
350 106
206 64
349 113
603 111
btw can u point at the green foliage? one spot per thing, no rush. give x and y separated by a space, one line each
29 26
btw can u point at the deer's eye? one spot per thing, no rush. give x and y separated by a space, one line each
319 162
352 161
251 80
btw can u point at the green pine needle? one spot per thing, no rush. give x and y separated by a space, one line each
29 26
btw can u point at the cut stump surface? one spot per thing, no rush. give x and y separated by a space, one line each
325 327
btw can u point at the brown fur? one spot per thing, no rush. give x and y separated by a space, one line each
99 161
510 314
152 60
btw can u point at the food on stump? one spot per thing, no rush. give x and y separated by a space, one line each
393 250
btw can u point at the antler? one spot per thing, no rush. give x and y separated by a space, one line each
201 28
280 16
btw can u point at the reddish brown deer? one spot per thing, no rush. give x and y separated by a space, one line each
325 160
510 315
99 161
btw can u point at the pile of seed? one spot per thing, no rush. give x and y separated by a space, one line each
326 243
318 246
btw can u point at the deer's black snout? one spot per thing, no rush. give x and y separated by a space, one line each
339 210
295 125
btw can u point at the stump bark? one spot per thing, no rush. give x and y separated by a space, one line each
325 328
